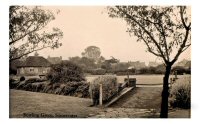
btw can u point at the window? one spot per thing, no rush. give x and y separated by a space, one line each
31 69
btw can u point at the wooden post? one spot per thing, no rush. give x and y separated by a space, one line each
128 76
100 95
176 75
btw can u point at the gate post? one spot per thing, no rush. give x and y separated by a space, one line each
100 95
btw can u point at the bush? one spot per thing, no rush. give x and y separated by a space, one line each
181 70
34 80
82 91
98 71
22 78
109 86
13 83
180 95
78 89
65 72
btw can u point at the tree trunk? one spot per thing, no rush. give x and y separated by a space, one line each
165 92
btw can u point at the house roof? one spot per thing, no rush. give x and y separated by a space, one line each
54 60
36 61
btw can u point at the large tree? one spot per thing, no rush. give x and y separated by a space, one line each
92 52
28 32
165 30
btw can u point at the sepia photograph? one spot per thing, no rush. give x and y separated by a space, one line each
112 61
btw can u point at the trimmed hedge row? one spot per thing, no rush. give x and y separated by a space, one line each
77 89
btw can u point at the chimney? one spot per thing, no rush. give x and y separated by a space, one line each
36 54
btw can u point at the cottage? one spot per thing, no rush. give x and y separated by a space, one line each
34 66
54 60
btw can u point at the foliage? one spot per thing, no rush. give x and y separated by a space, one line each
13 83
82 91
26 31
112 60
181 95
22 78
98 71
84 62
181 70
65 72
109 86
106 65
162 29
120 66
92 52
77 89
33 80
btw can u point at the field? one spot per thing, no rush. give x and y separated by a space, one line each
142 79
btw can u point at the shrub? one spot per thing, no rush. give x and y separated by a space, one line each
20 85
99 72
65 72
82 91
78 89
22 78
13 83
109 86
34 80
180 95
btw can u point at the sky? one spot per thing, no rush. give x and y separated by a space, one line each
85 26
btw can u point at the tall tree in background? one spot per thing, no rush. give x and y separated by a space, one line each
26 31
166 31
92 52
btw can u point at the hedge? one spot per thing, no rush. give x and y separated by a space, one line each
109 86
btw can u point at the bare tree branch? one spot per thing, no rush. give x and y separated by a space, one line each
181 47
162 32
11 59
182 19
149 48
147 32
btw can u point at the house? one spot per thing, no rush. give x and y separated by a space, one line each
34 66
153 64
54 60
137 64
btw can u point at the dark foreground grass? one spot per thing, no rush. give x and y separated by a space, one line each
31 104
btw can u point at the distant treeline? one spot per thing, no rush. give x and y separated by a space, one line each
147 70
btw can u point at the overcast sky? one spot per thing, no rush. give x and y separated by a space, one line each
86 26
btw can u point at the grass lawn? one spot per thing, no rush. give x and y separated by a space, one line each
141 97
32 104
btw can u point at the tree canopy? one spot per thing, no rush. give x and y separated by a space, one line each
165 30
65 72
27 31
92 52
